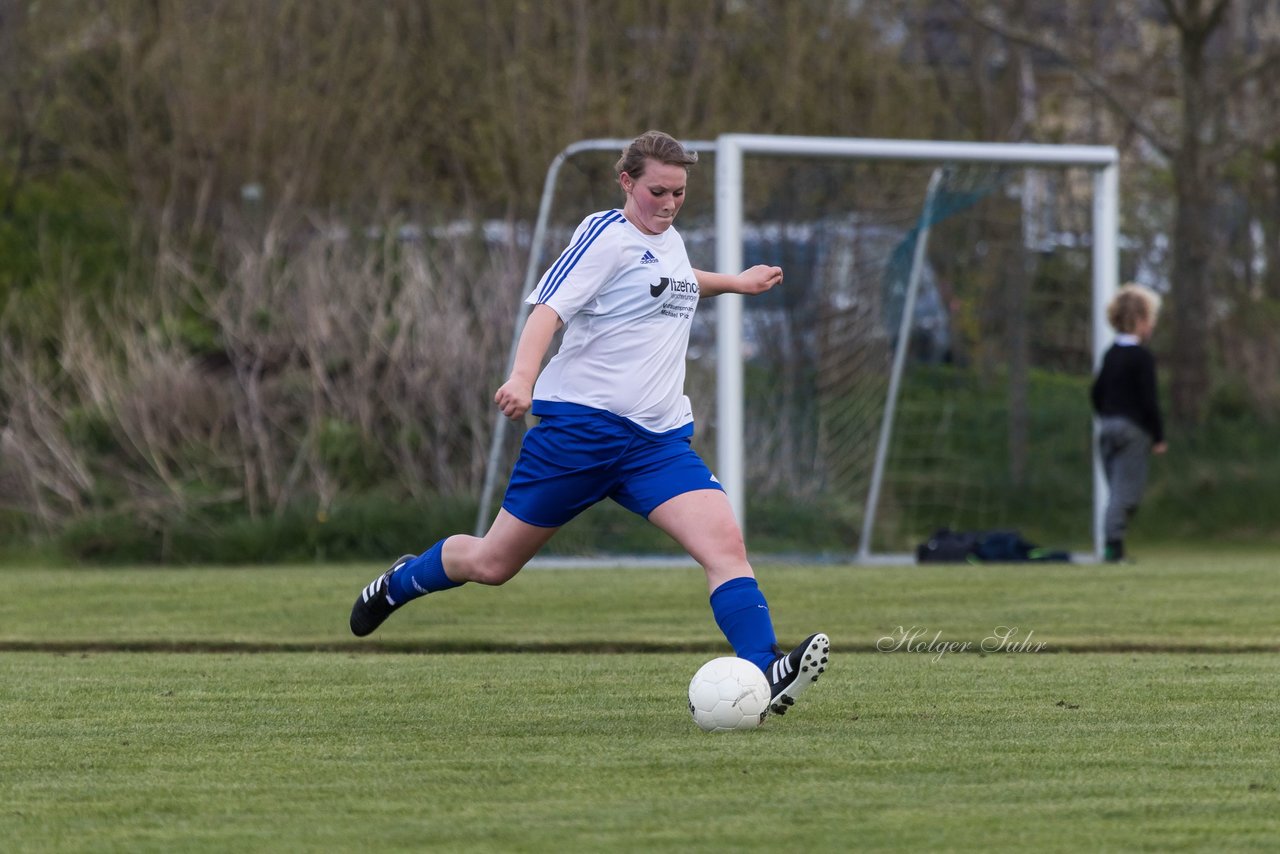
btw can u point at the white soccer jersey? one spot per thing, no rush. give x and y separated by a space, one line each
627 301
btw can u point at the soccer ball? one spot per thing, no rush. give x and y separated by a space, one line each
728 693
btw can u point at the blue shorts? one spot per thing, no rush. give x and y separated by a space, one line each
569 462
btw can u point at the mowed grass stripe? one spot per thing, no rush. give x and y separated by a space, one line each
1173 601
717 647
569 753
318 741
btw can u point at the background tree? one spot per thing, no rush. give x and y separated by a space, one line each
224 278
1215 63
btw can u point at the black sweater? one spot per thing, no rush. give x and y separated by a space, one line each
1126 386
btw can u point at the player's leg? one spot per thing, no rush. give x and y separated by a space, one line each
494 558
702 521
564 467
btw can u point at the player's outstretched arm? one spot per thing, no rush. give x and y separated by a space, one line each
753 280
515 396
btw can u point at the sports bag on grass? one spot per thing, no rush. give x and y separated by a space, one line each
948 546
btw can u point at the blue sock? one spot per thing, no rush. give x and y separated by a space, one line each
420 576
742 614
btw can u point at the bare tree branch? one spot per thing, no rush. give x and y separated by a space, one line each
1201 27
1174 13
1214 18
1098 84
1260 66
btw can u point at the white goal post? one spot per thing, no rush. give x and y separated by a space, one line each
731 152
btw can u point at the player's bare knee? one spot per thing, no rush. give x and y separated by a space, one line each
494 571
729 546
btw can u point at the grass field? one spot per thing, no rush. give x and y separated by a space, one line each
1130 708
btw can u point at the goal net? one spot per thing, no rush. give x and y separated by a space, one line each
926 362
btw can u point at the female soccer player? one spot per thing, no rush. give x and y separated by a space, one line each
615 422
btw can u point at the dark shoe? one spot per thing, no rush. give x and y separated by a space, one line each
374 604
794 672
1114 552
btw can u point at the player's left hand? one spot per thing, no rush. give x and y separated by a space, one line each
758 279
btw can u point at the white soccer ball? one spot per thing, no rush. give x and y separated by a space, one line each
728 693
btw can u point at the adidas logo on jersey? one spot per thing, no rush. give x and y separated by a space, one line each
648 258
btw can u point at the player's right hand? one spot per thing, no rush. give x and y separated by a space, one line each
514 397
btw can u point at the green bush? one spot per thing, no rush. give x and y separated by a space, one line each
1217 483
65 234
369 527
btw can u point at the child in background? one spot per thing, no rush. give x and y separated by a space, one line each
1127 404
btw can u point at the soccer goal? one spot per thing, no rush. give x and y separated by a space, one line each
926 362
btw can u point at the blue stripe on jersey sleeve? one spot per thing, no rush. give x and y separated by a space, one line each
570 257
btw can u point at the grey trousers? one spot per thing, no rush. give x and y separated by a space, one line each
1126 454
